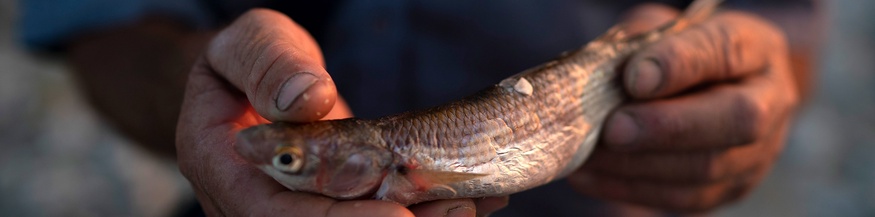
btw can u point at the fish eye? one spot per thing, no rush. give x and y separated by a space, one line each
288 162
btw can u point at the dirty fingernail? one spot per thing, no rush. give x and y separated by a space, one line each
621 130
293 89
645 78
461 211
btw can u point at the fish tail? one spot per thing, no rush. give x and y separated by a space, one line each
697 12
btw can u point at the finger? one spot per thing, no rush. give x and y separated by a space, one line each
367 208
277 64
488 205
673 198
728 46
454 208
224 183
302 204
257 201
700 167
679 196
722 116
647 16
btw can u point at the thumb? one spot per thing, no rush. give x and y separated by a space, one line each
276 64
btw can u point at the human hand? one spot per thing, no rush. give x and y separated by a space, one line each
709 112
262 68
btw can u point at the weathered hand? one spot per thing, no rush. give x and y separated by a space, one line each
265 67
709 112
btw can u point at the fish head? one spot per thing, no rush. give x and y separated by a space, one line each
338 159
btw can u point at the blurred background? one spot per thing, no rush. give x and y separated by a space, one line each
59 158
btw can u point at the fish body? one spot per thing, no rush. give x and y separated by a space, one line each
528 130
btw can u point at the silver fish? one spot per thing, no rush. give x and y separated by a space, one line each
528 130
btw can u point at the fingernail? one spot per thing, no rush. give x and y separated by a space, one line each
621 130
293 90
645 78
461 211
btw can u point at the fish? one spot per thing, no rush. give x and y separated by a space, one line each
530 129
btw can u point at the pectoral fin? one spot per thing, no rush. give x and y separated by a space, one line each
407 186
427 179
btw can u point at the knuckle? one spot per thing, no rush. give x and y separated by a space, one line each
746 41
673 56
709 168
687 57
790 96
265 58
660 125
721 48
254 43
759 24
746 115
670 125
730 49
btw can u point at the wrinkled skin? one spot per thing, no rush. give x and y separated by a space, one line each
709 112
238 84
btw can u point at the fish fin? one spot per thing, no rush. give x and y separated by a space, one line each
446 188
407 186
700 10
429 178
697 12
